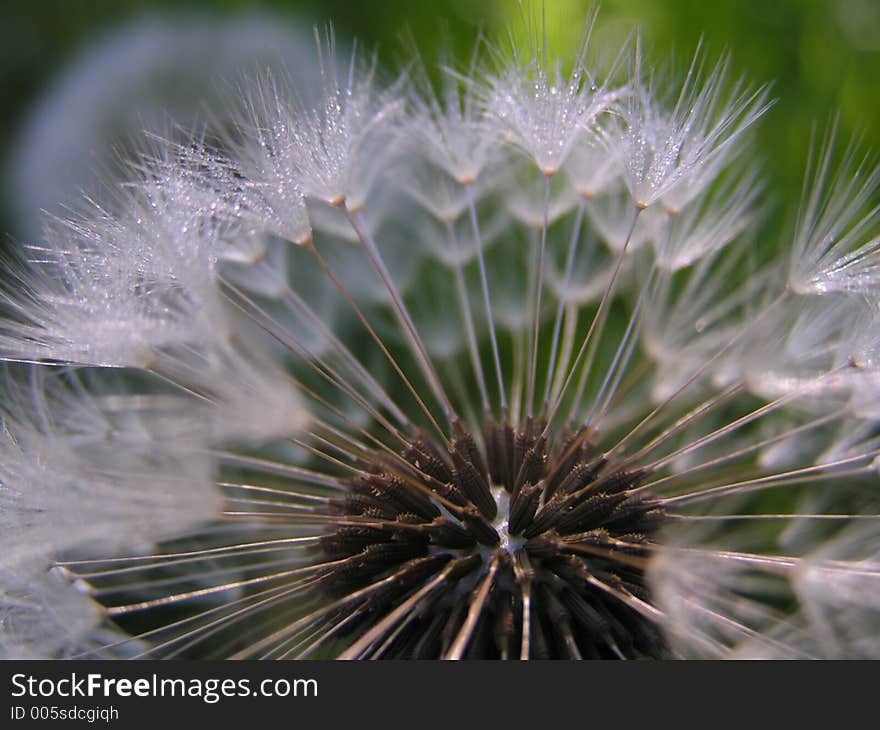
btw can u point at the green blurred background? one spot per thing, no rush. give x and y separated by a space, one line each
823 56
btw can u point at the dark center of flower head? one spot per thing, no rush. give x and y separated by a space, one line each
535 550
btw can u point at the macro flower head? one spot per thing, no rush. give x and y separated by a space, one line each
497 367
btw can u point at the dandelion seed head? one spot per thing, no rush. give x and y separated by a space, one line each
492 369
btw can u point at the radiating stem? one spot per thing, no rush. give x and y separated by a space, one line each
487 303
539 288
699 372
358 224
467 316
603 304
569 266
622 354
378 340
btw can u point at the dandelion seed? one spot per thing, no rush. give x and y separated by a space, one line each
837 241
672 155
484 373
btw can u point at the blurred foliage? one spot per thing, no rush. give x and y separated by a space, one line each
823 56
